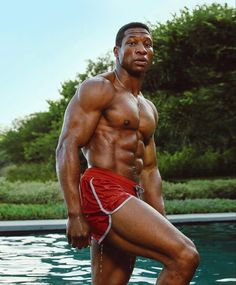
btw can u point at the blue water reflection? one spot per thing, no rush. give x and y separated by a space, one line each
47 259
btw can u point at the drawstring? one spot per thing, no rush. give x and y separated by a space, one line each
139 190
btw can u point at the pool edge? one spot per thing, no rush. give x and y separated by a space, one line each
38 226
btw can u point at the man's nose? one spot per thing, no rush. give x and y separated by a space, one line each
140 48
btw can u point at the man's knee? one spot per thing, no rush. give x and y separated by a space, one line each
188 257
191 256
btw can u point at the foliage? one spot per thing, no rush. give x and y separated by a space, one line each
31 172
194 49
58 108
194 73
200 189
50 192
30 192
37 200
32 212
31 139
191 82
200 206
102 64
58 210
190 162
201 118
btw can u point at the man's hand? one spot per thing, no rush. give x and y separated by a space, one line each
78 232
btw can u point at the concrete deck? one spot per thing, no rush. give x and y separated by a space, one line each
39 226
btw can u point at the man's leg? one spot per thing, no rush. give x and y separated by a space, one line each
138 229
110 265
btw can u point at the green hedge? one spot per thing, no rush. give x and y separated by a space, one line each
30 172
32 212
58 210
37 200
30 192
191 162
192 189
50 192
200 206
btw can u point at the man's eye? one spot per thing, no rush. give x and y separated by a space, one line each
131 43
147 45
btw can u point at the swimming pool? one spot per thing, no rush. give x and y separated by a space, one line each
47 259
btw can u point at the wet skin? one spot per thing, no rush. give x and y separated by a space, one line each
113 124
123 131
128 120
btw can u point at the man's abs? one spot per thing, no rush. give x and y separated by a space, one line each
120 151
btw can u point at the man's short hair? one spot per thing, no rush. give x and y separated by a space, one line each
121 32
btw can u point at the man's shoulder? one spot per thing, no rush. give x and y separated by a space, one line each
151 104
98 89
99 83
109 76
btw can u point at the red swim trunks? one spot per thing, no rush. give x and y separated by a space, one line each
103 193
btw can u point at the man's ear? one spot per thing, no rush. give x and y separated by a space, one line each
116 51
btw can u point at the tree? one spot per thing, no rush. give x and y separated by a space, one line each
191 82
194 50
194 73
102 64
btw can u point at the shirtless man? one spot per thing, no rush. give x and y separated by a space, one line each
113 124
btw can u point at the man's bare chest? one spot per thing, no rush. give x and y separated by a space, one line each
130 112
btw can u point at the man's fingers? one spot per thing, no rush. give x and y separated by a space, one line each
79 242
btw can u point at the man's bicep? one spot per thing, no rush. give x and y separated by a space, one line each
79 124
84 110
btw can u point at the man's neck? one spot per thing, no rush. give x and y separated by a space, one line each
132 83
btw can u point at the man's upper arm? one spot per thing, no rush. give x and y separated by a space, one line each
150 159
84 111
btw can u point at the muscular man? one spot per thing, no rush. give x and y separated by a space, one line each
117 205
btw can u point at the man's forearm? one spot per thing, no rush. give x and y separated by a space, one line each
152 183
156 201
68 171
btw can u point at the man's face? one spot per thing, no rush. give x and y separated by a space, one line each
136 51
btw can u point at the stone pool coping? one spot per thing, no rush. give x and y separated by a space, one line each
39 226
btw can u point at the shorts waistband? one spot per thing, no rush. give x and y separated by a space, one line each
110 174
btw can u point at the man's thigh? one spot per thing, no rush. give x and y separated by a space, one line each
110 265
140 230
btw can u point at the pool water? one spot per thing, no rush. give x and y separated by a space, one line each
47 259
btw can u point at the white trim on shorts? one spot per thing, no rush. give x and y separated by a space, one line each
109 213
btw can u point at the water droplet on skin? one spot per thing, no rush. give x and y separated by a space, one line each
101 258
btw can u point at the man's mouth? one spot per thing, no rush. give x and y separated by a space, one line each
141 61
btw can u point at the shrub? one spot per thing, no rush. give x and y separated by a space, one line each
200 206
32 212
58 210
30 192
190 163
192 189
31 172
50 192
177 164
